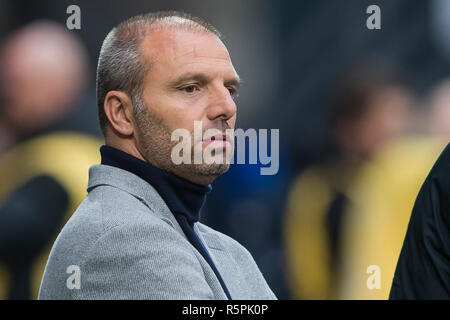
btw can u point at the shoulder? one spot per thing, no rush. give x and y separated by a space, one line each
122 257
108 211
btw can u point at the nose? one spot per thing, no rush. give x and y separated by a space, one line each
221 104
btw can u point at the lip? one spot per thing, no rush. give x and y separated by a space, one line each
224 142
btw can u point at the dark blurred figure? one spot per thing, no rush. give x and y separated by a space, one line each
369 107
384 196
42 172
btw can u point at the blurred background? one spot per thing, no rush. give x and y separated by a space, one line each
363 114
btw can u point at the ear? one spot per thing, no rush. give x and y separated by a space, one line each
119 110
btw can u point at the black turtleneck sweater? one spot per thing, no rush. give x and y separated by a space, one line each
184 198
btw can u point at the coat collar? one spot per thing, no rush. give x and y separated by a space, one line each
100 174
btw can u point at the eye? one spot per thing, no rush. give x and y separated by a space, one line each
233 92
190 88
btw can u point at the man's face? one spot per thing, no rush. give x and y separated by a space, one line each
191 78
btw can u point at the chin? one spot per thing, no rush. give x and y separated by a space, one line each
212 170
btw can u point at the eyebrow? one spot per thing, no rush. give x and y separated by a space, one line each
202 78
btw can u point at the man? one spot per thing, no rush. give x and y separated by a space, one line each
137 235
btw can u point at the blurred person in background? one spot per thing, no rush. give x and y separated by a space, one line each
369 107
43 173
423 268
384 195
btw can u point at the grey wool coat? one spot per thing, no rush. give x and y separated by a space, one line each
123 242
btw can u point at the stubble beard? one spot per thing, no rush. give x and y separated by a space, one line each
155 145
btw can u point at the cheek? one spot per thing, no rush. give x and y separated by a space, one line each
179 111
169 111
181 119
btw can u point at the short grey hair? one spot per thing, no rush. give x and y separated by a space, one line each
120 64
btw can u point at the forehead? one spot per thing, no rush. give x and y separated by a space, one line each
178 50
